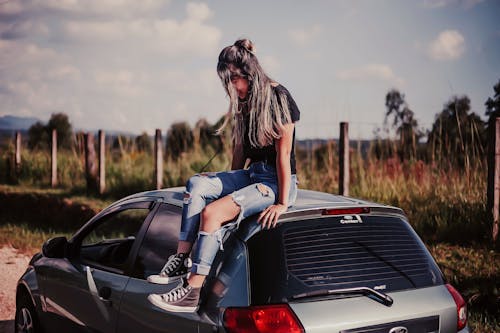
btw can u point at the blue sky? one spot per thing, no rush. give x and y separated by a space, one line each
139 65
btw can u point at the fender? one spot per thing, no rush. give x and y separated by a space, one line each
29 283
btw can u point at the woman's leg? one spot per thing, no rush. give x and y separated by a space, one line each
200 189
185 297
213 217
240 204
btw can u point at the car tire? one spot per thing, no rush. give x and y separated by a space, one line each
26 320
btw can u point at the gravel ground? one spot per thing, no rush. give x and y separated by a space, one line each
12 265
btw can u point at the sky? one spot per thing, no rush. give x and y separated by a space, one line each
128 65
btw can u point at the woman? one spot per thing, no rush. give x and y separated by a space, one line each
263 114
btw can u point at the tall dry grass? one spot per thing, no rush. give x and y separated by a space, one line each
128 169
443 204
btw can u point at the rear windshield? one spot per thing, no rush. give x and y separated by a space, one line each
379 252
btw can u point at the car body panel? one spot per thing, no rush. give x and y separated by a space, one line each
138 314
28 283
63 282
335 315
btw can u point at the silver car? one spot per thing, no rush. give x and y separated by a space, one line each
332 264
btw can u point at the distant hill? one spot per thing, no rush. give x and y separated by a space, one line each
16 123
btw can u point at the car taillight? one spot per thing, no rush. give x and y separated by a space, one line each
346 211
262 319
461 307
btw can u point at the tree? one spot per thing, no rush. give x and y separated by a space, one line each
60 122
38 137
457 134
143 143
403 122
493 104
205 135
179 139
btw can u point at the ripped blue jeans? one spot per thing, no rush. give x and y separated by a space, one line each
245 187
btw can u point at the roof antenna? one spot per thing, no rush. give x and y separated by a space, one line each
211 158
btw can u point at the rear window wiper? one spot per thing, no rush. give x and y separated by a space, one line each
372 293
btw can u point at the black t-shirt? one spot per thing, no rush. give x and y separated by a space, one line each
268 153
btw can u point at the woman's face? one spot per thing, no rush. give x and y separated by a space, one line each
240 84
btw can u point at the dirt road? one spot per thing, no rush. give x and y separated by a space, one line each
12 266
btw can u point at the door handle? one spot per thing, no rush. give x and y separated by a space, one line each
105 295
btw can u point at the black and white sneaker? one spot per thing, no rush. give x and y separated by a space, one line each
182 298
177 267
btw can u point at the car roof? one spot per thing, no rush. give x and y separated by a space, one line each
308 205
307 200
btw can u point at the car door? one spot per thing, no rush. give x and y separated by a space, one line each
83 292
137 314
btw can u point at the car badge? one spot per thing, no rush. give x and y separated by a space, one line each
398 329
349 219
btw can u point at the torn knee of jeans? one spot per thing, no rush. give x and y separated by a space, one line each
238 199
187 197
217 235
263 189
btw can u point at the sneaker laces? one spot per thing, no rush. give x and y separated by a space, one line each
176 294
172 263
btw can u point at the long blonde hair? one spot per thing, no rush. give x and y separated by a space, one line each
267 107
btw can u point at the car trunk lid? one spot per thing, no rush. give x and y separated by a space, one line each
420 310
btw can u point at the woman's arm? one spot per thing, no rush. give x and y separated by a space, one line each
238 157
283 145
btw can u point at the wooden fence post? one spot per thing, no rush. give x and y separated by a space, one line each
17 157
158 160
53 178
102 162
494 174
90 163
344 159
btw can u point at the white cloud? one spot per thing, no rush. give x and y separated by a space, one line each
192 36
35 79
14 53
371 71
11 8
91 23
198 11
270 64
122 8
466 4
121 66
122 83
303 36
448 45
65 72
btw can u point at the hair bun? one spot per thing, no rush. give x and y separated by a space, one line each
245 44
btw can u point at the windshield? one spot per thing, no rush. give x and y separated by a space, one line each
378 252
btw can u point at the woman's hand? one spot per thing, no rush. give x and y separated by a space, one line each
269 216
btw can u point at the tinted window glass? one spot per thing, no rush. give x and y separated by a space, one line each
110 242
382 253
160 241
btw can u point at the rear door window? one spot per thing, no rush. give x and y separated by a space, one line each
379 252
160 241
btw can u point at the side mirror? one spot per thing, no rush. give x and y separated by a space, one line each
55 247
